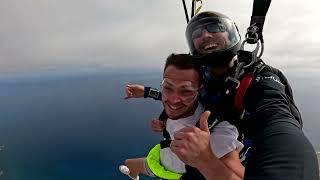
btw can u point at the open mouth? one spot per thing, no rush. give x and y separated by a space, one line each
211 47
174 108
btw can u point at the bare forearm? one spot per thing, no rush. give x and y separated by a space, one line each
213 168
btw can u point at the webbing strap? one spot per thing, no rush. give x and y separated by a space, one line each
260 7
163 117
165 143
241 91
185 11
194 9
259 12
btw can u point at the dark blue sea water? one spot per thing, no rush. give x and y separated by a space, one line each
74 127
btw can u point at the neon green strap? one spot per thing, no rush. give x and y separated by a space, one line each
154 163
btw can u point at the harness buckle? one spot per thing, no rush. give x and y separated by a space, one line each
232 84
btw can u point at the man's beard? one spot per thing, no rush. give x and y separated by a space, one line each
216 60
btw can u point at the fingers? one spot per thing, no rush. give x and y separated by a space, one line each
203 122
181 149
129 91
134 91
177 148
188 129
184 134
157 122
178 145
157 125
156 129
191 143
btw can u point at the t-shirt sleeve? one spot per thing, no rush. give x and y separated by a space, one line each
224 139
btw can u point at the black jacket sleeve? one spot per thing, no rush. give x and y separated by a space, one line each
280 149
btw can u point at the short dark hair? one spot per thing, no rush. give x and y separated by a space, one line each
180 61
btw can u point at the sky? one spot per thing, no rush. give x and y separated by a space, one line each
40 35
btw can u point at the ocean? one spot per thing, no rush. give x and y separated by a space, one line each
71 126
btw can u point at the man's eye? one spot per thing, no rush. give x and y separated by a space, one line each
187 93
167 89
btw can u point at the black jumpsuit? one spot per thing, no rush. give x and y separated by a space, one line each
280 149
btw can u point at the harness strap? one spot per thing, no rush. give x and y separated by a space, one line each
260 7
185 10
163 117
238 104
165 143
246 80
259 12
212 122
241 91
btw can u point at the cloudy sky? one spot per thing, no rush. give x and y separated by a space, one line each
102 34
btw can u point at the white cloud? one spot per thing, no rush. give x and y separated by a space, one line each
98 33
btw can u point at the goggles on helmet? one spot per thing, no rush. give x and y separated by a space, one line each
196 26
186 90
211 28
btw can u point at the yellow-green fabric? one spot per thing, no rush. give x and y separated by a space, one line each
154 163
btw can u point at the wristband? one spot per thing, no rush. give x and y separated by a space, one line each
151 92
146 92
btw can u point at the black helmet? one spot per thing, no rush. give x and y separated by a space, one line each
220 48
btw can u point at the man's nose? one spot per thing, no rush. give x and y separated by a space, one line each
175 98
206 34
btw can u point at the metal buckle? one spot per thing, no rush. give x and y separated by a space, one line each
232 82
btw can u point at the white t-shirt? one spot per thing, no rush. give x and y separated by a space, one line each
223 140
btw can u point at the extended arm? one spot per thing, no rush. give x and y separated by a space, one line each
139 91
280 149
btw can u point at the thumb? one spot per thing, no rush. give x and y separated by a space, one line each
203 122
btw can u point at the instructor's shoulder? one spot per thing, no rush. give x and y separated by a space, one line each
268 79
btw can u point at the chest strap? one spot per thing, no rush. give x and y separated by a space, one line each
241 91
